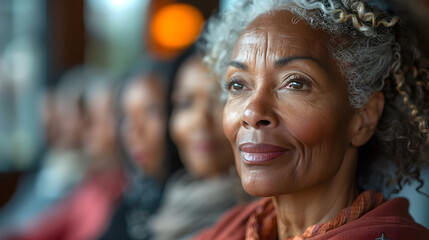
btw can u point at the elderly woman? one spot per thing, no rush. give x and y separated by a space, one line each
316 91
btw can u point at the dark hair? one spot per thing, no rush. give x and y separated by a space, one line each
161 71
176 64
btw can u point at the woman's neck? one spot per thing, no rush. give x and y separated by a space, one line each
297 211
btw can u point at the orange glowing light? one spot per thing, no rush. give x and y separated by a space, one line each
176 26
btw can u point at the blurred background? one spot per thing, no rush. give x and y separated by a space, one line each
42 40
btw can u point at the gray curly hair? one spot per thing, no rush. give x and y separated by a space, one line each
365 64
378 54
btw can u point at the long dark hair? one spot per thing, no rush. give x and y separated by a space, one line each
161 70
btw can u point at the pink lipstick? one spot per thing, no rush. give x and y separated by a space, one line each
140 158
260 153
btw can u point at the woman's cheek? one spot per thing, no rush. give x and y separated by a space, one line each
231 126
310 125
231 122
178 128
309 131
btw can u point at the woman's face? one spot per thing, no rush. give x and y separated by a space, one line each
71 123
100 141
288 116
144 124
196 123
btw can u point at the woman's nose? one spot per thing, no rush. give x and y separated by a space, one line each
203 114
134 127
260 113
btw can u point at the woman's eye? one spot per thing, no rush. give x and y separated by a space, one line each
237 86
155 111
183 104
234 86
297 83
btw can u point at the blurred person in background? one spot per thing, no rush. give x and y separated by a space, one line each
198 195
18 208
63 163
85 212
151 156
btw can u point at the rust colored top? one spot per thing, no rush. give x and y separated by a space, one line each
369 217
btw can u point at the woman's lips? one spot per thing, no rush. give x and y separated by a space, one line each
140 158
260 153
204 146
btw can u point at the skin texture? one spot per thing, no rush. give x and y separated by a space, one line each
100 140
144 124
301 106
71 124
197 122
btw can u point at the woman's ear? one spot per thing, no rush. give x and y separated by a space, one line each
367 119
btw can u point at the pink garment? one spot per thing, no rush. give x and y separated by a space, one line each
83 215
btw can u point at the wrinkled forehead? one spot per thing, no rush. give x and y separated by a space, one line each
281 34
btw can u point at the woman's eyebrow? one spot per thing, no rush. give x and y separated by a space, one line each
287 60
279 63
239 65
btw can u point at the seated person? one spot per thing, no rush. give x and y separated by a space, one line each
150 156
198 195
317 91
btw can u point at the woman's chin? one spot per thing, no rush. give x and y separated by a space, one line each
259 194
261 189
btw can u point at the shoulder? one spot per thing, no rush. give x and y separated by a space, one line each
233 224
180 177
391 220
